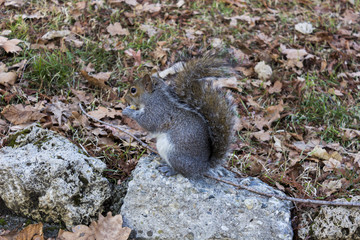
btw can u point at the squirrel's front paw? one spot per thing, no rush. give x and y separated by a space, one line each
166 170
128 111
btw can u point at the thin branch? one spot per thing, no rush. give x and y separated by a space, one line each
300 200
25 65
122 130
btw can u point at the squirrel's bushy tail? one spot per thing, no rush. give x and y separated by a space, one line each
195 91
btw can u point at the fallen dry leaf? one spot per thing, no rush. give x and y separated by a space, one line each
304 28
252 103
263 70
10 45
260 122
262 136
59 109
246 71
36 15
190 33
106 141
180 3
357 158
83 96
116 29
81 5
102 112
217 43
298 54
319 152
250 20
8 78
78 120
301 145
160 55
20 65
3 126
277 144
73 41
350 16
331 164
80 232
150 30
109 228
18 114
294 56
276 88
3 67
136 55
31 232
350 133
266 39
240 55
354 74
331 186
273 113
56 34
14 3
97 80
335 92
152 8
99 132
118 2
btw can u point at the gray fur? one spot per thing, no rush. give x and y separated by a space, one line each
192 121
186 130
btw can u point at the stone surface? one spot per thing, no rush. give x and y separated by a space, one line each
158 207
332 223
47 178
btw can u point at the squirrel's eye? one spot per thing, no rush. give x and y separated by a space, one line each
133 90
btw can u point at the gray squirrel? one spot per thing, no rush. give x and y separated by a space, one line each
191 119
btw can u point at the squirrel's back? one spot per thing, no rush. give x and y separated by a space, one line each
192 89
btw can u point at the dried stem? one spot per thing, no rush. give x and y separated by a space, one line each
300 200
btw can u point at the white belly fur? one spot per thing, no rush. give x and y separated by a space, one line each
164 146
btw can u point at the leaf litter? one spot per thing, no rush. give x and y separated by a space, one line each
297 91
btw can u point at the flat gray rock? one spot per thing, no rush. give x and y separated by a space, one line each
158 207
47 178
332 222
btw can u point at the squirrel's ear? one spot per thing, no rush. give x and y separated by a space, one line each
148 83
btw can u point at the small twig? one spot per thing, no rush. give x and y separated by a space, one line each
317 202
122 130
300 200
23 70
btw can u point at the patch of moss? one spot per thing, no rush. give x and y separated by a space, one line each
39 143
2 222
52 228
28 222
76 199
11 141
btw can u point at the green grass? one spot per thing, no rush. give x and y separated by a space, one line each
2 222
19 28
95 54
221 7
52 71
328 111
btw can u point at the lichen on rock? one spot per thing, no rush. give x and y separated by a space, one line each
45 177
332 222
159 207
